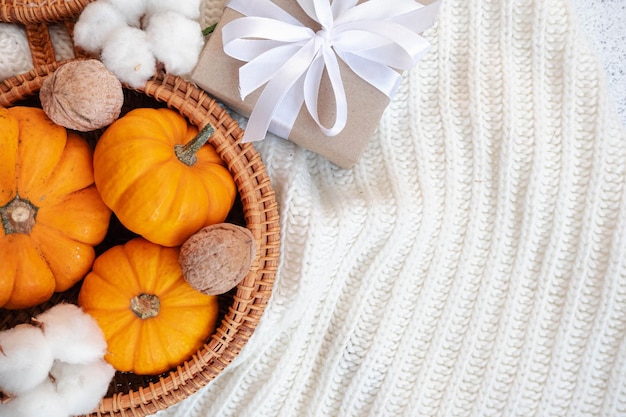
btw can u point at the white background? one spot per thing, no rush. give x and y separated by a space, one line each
604 23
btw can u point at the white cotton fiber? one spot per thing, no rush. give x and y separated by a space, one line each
73 335
132 10
187 8
167 31
41 401
95 24
127 54
82 386
25 359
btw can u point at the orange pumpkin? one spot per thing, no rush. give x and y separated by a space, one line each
161 179
151 317
52 214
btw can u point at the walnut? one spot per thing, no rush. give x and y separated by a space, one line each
82 95
217 257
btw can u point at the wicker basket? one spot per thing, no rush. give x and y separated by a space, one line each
256 208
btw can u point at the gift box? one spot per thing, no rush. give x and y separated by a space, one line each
352 86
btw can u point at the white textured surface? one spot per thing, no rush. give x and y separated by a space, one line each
604 25
474 262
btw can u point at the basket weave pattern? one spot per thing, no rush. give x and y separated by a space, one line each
133 395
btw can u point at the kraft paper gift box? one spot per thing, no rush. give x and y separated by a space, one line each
218 74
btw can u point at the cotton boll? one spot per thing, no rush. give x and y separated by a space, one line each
176 41
188 8
95 24
132 10
82 386
127 54
73 335
25 359
42 400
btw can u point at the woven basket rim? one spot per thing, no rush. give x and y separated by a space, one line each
37 11
260 210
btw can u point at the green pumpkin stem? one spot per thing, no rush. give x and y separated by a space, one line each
187 153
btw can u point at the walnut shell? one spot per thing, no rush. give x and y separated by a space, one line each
82 95
217 257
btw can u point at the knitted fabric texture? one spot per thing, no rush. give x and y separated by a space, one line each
473 263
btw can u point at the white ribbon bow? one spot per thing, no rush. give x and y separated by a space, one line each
376 39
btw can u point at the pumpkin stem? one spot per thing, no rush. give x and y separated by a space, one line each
18 216
145 306
187 153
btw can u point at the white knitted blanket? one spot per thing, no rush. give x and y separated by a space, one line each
474 262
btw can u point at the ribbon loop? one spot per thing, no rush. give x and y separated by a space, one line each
375 39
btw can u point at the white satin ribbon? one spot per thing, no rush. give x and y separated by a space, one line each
376 39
